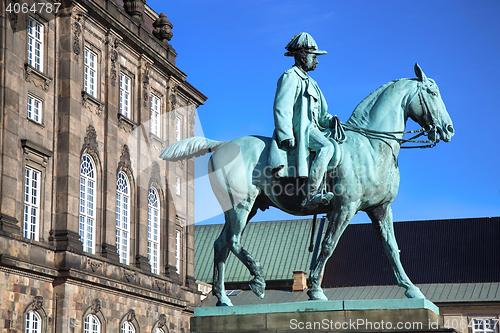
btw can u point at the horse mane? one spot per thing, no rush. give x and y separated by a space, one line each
359 115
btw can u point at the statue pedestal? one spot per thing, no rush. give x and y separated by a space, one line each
404 315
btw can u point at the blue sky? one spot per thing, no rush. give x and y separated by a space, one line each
232 51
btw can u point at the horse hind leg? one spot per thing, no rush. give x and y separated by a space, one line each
221 253
236 220
381 217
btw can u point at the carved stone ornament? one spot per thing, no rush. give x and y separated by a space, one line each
163 28
129 276
155 175
125 162
131 315
94 265
13 15
92 103
126 124
162 321
33 75
159 284
90 141
113 44
76 28
134 8
38 303
95 308
172 84
145 84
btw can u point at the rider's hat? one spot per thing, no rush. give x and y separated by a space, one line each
303 41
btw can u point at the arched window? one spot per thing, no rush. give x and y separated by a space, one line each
127 327
33 322
87 203
153 231
123 217
91 324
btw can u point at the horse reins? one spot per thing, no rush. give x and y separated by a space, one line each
390 135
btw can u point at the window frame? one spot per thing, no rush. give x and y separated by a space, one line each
39 66
473 319
127 327
92 69
124 255
28 319
86 217
154 244
155 115
97 321
178 248
38 114
33 234
125 113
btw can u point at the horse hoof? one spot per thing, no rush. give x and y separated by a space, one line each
316 295
413 292
224 301
258 286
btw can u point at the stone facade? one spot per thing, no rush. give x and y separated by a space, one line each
78 86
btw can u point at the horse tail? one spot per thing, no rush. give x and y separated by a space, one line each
187 148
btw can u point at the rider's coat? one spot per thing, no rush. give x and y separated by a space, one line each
299 104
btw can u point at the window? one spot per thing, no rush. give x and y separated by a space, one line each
484 325
92 324
34 109
90 73
33 322
178 185
35 44
178 251
177 129
125 95
159 330
123 217
32 203
155 115
87 204
127 327
153 230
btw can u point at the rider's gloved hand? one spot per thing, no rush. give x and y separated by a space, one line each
289 143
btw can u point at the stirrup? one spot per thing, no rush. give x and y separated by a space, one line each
319 198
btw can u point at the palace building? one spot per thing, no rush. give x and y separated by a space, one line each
96 232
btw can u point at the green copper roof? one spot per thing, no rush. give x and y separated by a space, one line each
266 241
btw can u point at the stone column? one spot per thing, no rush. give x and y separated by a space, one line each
65 233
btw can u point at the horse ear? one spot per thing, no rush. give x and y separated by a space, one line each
420 74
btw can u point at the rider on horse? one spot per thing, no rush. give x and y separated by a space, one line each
302 122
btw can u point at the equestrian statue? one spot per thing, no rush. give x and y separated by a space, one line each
314 164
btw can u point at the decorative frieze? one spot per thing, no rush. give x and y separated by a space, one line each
93 264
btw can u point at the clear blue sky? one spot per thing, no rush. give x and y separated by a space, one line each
232 51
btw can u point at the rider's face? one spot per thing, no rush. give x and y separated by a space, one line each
311 62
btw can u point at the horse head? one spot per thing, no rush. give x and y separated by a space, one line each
427 109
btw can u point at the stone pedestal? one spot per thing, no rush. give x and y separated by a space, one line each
405 315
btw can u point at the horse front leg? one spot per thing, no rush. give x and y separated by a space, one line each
338 222
381 217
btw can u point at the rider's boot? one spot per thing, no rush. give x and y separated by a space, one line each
314 198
